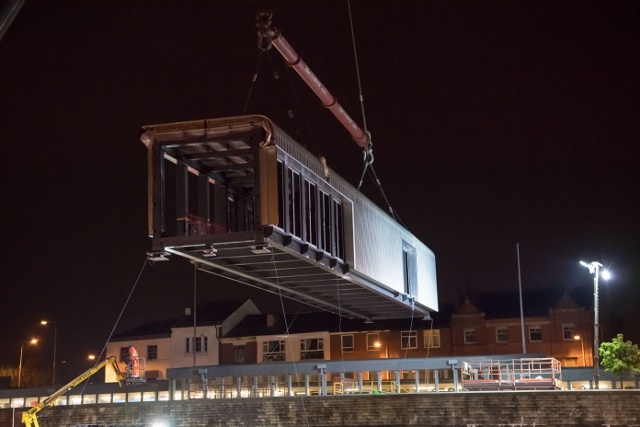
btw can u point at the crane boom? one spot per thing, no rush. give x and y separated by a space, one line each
268 30
29 417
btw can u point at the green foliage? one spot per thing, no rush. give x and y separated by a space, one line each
619 356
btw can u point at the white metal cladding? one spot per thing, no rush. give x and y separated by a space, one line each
377 241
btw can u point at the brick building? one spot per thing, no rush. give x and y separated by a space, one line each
485 324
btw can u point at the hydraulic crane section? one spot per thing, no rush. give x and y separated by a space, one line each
29 418
267 30
243 200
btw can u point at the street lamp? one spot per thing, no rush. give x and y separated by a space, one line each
33 341
594 268
578 337
55 339
378 345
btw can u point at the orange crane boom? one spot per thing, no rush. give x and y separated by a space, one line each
267 30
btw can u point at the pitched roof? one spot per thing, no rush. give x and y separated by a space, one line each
535 303
208 313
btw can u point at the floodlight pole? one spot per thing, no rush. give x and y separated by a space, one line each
594 268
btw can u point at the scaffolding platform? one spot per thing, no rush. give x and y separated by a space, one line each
514 374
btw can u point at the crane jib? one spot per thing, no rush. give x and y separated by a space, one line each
267 30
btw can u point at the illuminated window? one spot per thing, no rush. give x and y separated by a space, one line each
535 334
409 339
311 348
432 338
347 342
502 334
372 340
273 351
469 335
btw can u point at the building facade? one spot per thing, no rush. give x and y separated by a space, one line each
242 335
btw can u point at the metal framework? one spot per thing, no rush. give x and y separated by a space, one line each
252 205
515 374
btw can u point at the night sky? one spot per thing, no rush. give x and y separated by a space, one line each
494 123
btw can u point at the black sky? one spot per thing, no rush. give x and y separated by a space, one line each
494 123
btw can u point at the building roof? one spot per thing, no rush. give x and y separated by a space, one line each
207 314
535 303
279 324
494 305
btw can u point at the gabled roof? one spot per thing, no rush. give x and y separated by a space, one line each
157 329
566 303
207 314
535 303
468 309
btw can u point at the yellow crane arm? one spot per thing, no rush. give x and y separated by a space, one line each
29 417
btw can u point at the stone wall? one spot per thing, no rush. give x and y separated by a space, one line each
469 409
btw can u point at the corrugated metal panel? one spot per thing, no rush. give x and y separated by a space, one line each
377 243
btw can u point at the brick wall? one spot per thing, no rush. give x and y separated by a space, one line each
552 408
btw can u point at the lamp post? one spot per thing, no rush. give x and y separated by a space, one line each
594 268
33 341
55 344
578 337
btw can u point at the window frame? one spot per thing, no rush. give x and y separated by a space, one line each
571 328
535 329
347 348
467 333
239 350
311 348
410 338
504 331
274 355
430 337
152 352
371 345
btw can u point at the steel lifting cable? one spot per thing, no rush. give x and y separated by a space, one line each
340 323
104 348
406 350
265 45
253 79
368 151
288 326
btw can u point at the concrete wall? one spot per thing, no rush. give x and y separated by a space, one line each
559 408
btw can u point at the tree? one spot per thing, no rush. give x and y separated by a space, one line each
620 357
